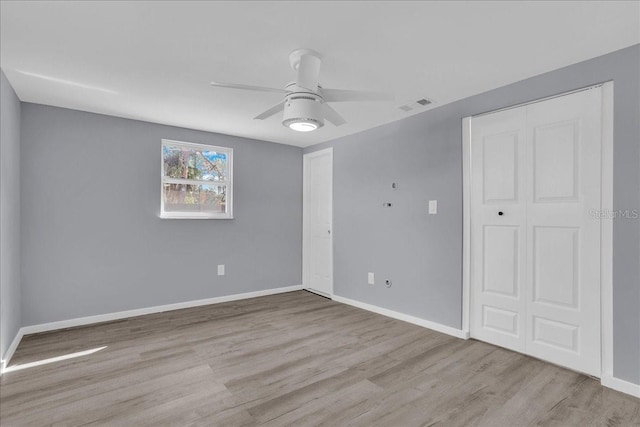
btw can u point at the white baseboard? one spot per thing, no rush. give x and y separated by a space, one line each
150 310
458 333
81 321
621 385
12 349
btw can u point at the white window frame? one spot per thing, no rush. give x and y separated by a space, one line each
229 184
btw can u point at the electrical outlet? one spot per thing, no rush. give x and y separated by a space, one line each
371 279
221 270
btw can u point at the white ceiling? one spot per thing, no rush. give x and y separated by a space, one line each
153 61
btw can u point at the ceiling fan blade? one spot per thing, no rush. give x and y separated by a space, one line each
332 115
271 111
342 95
308 72
248 87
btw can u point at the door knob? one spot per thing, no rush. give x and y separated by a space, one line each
328 231
500 213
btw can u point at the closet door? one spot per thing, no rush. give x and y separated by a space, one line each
498 228
535 241
563 145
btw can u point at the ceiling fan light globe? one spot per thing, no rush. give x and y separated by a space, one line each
303 126
303 112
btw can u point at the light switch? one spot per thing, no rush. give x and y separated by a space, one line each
221 270
433 207
370 279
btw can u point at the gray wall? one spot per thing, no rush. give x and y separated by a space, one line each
93 242
9 214
422 253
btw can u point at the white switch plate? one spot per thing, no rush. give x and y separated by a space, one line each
433 207
371 279
221 270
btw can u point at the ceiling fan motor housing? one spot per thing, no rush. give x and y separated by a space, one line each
303 108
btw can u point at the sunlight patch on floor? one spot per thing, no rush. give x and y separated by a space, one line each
53 359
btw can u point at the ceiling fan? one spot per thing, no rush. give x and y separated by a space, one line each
304 105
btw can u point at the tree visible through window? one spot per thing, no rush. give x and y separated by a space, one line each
196 181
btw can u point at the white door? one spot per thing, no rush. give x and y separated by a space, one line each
317 219
498 228
536 179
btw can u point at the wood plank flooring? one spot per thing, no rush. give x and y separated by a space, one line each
292 359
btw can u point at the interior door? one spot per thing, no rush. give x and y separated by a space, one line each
317 219
564 139
498 228
535 273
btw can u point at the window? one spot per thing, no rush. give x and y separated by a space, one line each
196 181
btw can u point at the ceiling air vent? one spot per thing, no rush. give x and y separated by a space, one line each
411 105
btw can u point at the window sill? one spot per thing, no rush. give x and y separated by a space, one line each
194 217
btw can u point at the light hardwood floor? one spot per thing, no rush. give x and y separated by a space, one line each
292 359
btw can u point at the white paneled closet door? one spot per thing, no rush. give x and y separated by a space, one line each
498 222
536 179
